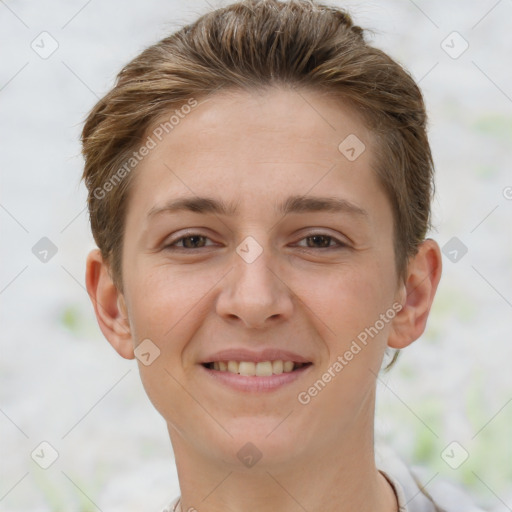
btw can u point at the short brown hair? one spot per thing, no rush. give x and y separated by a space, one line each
258 44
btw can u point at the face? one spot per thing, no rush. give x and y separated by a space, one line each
301 272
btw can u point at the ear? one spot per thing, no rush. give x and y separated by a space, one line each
109 305
416 295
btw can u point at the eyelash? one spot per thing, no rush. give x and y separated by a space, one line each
172 246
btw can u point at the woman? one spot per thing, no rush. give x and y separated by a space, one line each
260 186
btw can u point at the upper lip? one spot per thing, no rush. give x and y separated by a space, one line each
268 354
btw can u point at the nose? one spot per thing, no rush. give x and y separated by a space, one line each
255 291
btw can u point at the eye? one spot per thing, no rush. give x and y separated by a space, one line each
322 241
191 241
195 241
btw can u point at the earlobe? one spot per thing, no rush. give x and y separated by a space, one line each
423 275
109 305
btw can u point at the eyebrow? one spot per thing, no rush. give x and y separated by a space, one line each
293 204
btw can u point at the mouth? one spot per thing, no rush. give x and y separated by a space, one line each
253 369
254 377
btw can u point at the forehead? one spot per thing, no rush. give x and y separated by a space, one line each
274 116
243 138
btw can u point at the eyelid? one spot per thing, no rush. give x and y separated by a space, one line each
172 242
339 242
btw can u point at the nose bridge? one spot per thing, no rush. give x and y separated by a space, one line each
254 292
252 262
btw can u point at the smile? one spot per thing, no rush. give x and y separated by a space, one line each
260 369
249 376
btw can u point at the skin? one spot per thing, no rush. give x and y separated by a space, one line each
259 148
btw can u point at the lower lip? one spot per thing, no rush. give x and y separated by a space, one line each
253 383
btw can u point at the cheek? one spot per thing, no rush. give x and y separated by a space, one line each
169 303
166 303
350 299
166 308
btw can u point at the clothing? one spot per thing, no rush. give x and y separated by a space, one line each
439 494
442 495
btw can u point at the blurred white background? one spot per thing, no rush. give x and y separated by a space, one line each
62 383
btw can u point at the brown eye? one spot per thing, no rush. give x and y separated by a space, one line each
192 241
322 241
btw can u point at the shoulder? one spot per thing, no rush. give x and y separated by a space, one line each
449 496
437 494
170 507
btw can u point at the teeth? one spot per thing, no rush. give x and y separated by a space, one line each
277 367
246 368
264 369
232 366
288 366
261 369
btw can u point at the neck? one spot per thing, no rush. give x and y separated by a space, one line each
336 475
